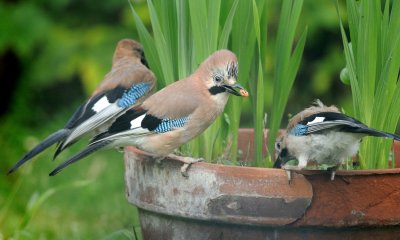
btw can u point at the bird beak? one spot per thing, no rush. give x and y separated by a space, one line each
242 92
278 162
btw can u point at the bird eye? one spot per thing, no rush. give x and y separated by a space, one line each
277 146
218 78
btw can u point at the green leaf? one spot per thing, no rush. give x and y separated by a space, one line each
373 63
163 48
223 40
149 47
286 64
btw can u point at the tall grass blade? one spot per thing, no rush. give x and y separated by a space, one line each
284 60
225 33
259 108
162 46
149 47
373 63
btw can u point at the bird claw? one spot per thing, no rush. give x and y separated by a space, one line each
185 167
159 160
333 172
333 175
288 170
187 162
289 175
184 170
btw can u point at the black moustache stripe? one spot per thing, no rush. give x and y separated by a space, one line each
216 89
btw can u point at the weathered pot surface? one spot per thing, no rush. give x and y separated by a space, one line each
229 200
217 192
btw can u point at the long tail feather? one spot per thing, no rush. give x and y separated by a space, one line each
93 123
61 147
85 152
377 133
50 140
88 126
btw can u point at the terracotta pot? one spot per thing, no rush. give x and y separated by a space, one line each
229 202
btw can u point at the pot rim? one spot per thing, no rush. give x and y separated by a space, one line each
304 172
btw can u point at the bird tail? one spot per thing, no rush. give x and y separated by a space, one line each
85 152
89 125
378 133
61 148
50 140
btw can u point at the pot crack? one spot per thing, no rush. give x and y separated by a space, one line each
381 200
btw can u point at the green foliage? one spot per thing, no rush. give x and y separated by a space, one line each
259 91
34 204
123 234
373 63
205 26
184 34
31 202
62 49
70 43
15 31
287 63
243 43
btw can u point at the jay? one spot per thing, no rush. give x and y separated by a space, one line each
126 85
322 135
175 114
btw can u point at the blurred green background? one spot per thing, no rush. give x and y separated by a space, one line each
52 55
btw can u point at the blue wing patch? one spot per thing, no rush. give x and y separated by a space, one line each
167 124
133 94
299 130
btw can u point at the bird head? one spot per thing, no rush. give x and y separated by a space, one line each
282 153
221 69
129 48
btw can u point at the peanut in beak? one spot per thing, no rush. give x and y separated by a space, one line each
243 93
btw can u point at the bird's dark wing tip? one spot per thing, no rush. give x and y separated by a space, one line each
57 152
10 171
54 172
88 150
15 167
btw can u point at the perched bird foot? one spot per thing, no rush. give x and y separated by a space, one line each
159 160
186 166
289 176
187 162
288 169
333 175
333 172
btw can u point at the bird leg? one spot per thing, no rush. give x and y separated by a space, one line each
187 162
333 172
288 168
158 160
289 176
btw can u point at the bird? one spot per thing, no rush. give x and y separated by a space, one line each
127 84
323 135
175 114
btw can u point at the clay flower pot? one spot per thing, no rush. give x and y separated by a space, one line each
230 202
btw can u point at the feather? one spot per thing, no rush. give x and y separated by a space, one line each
128 78
88 150
50 140
131 96
89 125
328 120
323 135
96 104
172 116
